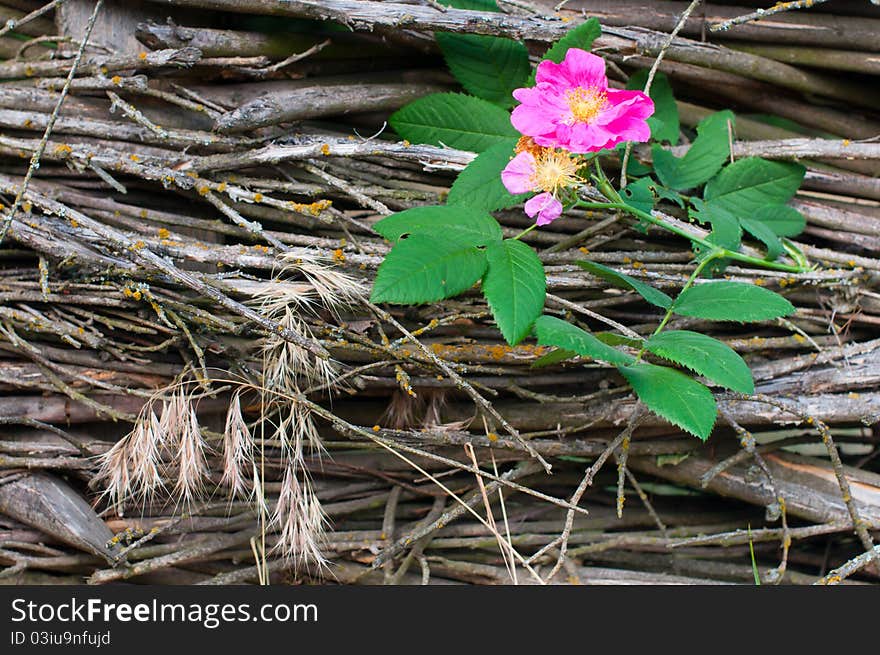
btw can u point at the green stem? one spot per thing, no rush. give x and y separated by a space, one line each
723 252
716 253
525 232
605 186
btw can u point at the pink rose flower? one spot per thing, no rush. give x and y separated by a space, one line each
546 172
572 107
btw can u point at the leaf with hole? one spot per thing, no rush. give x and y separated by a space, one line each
423 268
726 230
479 185
731 301
554 331
704 355
472 227
646 291
672 395
704 158
515 286
455 120
638 194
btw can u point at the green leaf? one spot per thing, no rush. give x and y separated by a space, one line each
479 185
614 339
487 66
553 357
423 268
783 220
749 184
554 331
646 291
671 394
703 159
472 5
726 230
731 301
471 227
636 168
515 286
454 120
638 194
704 355
581 37
764 234
667 194
664 123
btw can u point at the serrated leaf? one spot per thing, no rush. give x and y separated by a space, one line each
554 331
553 357
704 355
515 286
423 268
455 120
731 301
747 185
703 159
638 194
646 291
487 66
783 220
479 185
671 394
471 227
667 194
664 122
763 234
726 230
581 36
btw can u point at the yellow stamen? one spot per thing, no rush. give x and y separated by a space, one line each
553 170
585 104
526 144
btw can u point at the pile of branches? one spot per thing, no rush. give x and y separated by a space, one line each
196 388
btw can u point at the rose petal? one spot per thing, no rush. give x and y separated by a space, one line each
533 121
545 206
584 69
633 104
518 173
